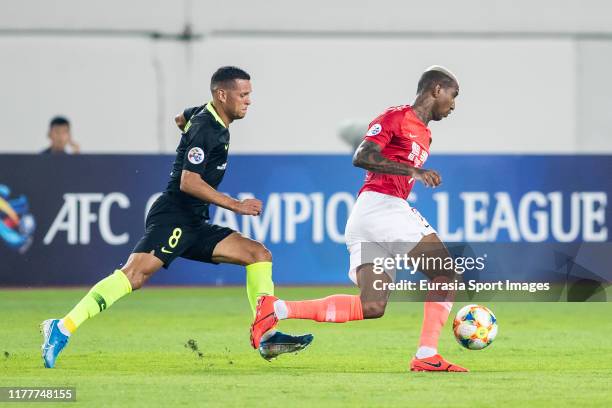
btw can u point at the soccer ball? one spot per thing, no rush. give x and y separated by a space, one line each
475 327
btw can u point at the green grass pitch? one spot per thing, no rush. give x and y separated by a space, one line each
134 354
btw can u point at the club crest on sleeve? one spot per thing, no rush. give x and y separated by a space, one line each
195 155
374 130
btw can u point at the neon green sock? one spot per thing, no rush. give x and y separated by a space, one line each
259 282
100 297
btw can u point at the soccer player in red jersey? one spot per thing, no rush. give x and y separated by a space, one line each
393 152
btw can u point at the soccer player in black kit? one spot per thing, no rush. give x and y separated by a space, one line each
177 224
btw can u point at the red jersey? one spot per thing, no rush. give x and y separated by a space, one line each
404 138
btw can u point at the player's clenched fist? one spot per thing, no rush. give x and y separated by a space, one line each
430 178
249 206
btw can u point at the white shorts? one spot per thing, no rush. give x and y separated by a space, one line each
388 225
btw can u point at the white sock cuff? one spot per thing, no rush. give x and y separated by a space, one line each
424 352
62 328
280 308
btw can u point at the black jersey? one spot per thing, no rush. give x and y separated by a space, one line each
203 149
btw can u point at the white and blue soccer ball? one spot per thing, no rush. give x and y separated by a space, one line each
475 327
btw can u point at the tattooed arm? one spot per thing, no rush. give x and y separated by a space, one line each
368 156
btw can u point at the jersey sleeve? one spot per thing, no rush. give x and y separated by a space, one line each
202 142
381 130
189 112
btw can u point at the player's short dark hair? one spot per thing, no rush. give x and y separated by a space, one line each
430 79
59 121
224 75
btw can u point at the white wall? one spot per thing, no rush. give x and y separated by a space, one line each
339 15
107 88
594 96
304 88
519 93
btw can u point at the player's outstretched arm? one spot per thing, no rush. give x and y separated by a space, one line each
192 184
368 156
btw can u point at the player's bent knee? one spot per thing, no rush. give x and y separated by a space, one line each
260 253
139 268
136 277
374 310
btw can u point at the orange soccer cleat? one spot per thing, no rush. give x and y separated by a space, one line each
434 363
265 319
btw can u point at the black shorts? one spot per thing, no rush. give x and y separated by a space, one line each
172 231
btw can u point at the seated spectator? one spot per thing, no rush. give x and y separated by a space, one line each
61 140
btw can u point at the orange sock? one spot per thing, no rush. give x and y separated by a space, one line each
435 315
336 309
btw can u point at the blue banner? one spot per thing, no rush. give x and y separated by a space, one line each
72 220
